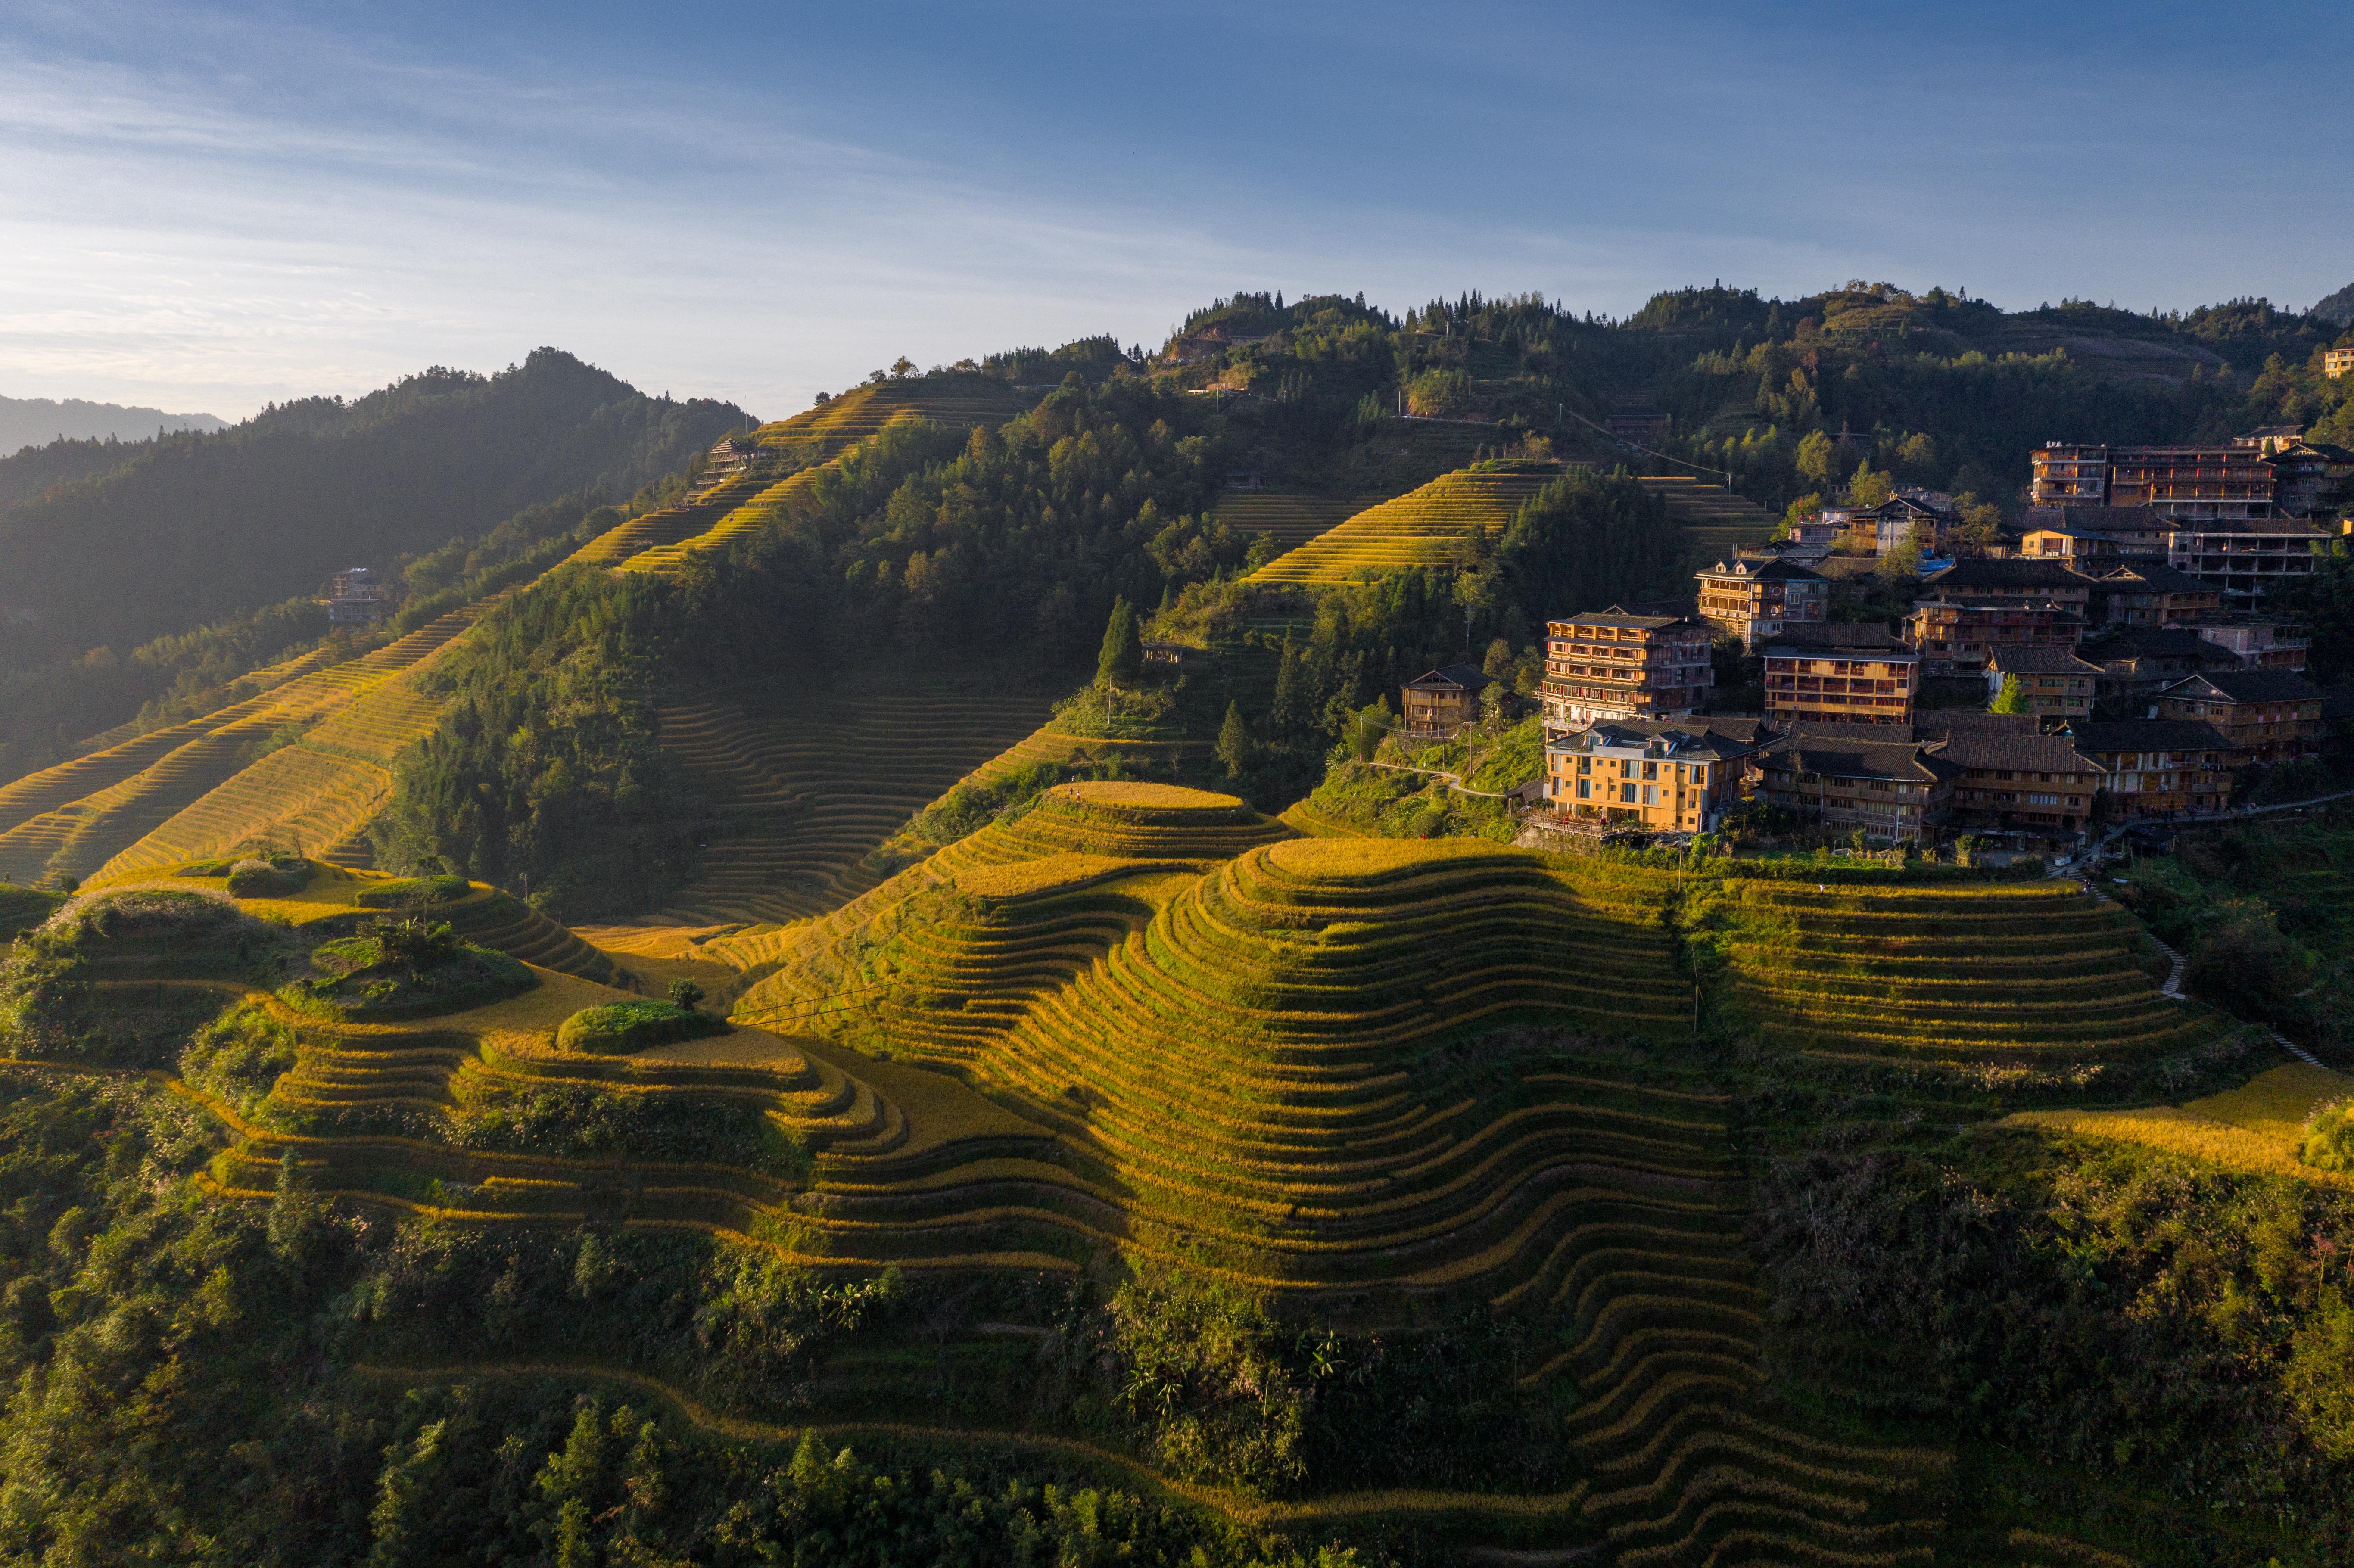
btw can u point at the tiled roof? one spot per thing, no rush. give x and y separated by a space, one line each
2039 660
2010 574
2149 642
1818 636
1688 740
2247 686
2163 578
1766 571
2146 735
1842 754
1469 676
2022 747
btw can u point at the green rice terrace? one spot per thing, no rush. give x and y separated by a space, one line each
1378 1084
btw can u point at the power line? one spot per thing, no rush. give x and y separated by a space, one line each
1664 457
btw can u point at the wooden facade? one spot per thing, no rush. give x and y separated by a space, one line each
1615 665
2264 716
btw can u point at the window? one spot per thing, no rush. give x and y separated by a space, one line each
1627 793
1650 794
1584 789
1651 770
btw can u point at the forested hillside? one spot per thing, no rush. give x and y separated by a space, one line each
196 557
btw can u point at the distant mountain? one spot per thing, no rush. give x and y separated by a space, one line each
36 421
195 526
2338 307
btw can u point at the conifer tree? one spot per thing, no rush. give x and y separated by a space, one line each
2011 699
1123 647
1236 747
1293 712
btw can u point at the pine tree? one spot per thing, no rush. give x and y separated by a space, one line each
1123 647
1292 713
1236 747
2011 699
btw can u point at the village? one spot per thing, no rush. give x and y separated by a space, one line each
2119 659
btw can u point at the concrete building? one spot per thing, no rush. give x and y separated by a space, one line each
2246 558
1677 776
1612 664
2336 362
355 598
2255 643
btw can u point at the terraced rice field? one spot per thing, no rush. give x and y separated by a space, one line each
1290 520
959 404
1716 523
2259 1127
182 793
669 524
746 517
1238 1050
805 782
1203 1039
1969 978
1425 527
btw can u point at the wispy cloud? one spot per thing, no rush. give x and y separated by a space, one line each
213 206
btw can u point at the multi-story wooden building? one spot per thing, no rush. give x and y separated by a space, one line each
2084 536
2136 661
1442 700
2157 767
2054 682
1896 789
2013 774
1612 664
2202 484
2336 362
2264 716
1754 600
1867 677
1956 636
1676 776
2145 593
1986 582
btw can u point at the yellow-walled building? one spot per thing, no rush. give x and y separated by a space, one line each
1676 776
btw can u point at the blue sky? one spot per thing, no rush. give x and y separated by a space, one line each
211 206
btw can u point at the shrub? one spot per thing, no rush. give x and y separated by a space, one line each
2245 964
238 1056
623 1026
395 968
411 890
2329 1139
261 879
